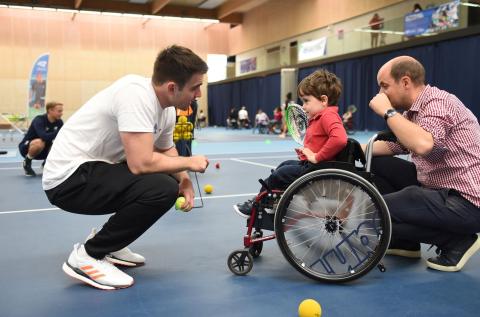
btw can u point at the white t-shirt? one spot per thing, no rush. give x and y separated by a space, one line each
242 114
93 132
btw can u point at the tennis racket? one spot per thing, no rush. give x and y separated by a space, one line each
297 122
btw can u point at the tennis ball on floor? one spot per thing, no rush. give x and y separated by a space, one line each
217 165
208 189
309 308
179 203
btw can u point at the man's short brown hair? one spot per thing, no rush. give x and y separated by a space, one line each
52 104
319 83
408 67
178 64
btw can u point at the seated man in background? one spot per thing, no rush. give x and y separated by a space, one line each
243 120
435 198
40 135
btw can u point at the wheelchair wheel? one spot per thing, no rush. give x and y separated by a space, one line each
332 225
240 262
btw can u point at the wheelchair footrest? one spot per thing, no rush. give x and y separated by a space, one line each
264 221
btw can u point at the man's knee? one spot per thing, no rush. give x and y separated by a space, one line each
36 145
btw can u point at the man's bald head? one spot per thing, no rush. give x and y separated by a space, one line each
406 66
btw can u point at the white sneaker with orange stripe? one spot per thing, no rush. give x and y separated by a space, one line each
98 273
124 256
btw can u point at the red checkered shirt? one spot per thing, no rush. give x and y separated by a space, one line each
454 161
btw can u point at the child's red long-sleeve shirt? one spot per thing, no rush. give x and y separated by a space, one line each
325 135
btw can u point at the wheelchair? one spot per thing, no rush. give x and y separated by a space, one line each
331 224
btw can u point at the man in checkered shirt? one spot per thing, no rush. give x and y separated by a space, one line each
435 198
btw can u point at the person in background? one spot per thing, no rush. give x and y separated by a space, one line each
288 100
184 146
376 24
417 8
276 123
243 120
201 119
38 140
261 121
232 120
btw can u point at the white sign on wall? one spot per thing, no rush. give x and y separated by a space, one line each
217 67
312 49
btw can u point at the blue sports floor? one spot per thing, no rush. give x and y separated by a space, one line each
186 272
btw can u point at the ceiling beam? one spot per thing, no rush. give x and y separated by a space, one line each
158 5
234 18
116 6
188 12
78 3
140 8
235 6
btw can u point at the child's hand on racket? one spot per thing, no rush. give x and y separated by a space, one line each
299 152
309 155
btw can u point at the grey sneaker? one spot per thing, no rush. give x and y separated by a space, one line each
123 257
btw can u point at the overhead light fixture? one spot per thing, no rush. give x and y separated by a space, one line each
20 7
115 14
132 15
67 10
90 12
44 9
118 14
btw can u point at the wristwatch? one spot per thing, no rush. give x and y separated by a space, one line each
389 113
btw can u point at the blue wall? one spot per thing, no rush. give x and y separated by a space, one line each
451 65
254 93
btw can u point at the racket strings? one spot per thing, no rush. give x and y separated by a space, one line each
297 123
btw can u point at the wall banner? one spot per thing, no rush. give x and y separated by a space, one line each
37 87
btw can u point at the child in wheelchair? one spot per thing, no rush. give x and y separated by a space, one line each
325 138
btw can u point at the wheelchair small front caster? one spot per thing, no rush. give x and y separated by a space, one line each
381 267
240 262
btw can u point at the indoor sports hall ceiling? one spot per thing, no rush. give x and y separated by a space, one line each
227 11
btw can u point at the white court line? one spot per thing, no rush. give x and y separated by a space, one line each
56 208
253 163
252 157
27 210
18 168
210 159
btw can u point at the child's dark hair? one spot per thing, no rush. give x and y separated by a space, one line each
319 83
